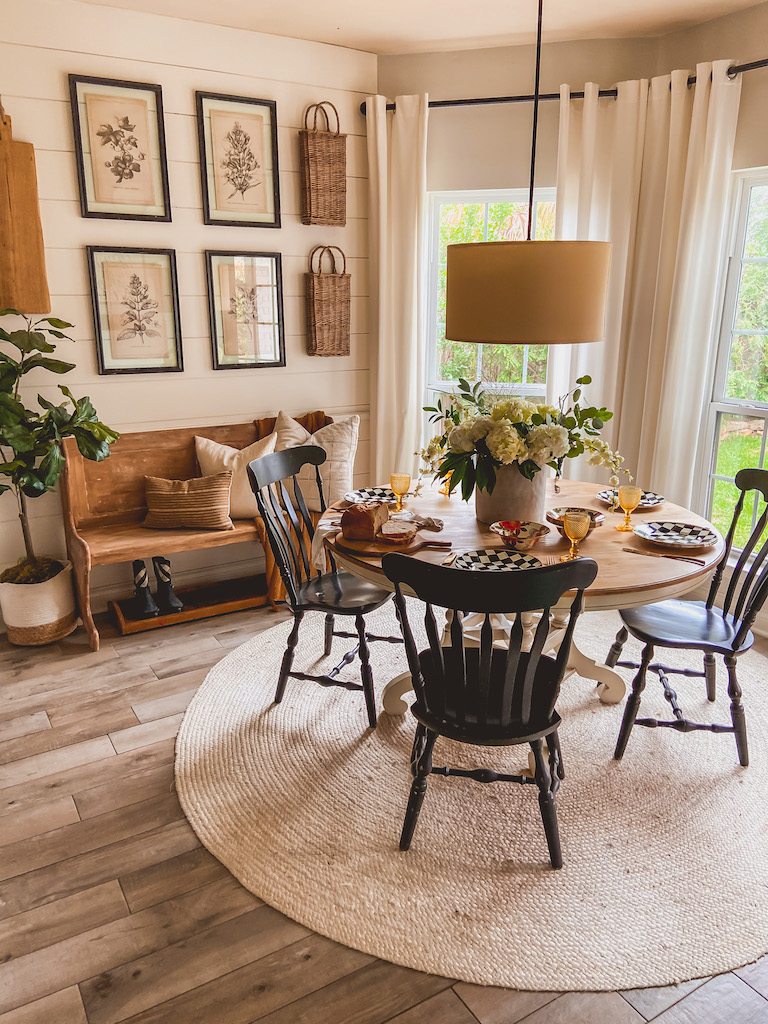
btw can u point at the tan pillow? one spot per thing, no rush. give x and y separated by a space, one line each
340 442
218 458
198 504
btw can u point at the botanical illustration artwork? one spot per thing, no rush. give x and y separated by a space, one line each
248 309
245 305
118 133
134 300
238 161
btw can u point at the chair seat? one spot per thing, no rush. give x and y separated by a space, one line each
341 594
685 624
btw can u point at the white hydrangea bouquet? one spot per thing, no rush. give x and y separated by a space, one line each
482 433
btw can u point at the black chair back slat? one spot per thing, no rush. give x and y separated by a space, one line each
411 650
433 635
486 687
744 595
287 519
526 700
508 711
484 712
456 671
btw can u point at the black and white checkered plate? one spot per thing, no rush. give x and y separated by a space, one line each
371 494
648 501
495 560
676 535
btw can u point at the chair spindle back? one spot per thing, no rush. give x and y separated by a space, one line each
289 524
494 683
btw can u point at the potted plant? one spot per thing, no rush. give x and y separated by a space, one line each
36 597
498 447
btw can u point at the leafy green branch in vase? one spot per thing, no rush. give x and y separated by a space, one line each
240 164
126 161
140 318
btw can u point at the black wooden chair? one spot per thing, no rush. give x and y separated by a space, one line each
487 695
290 531
702 626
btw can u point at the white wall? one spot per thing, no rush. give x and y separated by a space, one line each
45 40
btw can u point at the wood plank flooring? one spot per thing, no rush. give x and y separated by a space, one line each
112 913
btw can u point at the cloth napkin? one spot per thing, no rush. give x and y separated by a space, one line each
318 553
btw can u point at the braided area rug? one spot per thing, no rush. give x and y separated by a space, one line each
666 852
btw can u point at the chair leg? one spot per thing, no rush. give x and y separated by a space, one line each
616 647
709 675
547 804
737 712
421 766
285 667
365 672
328 634
633 703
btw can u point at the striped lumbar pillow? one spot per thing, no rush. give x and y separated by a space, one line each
198 504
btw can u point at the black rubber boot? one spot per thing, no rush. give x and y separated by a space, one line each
144 603
166 598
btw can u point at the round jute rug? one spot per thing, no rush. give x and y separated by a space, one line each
666 853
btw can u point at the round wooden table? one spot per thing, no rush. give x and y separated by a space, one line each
624 579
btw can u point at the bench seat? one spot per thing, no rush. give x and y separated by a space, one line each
123 542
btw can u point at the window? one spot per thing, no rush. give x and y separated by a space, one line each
482 217
738 417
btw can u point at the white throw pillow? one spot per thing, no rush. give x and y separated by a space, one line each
216 458
340 442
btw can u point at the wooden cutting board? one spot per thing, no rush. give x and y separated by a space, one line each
375 548
23 283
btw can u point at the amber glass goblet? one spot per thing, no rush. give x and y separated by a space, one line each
629 499
576 527
399 482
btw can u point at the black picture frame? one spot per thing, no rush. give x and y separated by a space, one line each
239 344
253 147
127 119
143 283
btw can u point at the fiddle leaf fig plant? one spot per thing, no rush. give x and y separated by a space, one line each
31 456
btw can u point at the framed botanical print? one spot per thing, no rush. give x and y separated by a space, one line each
135 309
245 302
122 168
238 160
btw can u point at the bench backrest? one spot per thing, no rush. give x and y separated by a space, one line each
113 491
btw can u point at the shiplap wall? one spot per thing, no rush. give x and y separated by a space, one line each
45 40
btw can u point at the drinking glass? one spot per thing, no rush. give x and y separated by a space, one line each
399 482
576 527
629 499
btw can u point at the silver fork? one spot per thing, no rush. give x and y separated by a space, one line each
548 559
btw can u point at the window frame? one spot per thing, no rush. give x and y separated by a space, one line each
467 197
719 404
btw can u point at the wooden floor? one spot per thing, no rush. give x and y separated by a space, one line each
110 910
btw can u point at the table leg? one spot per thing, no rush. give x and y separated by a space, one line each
392 697
610 686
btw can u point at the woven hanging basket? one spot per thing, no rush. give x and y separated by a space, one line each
327 304
323 169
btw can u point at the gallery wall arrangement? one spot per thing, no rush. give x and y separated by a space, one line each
123 175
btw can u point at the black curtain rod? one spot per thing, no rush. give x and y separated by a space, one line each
480 101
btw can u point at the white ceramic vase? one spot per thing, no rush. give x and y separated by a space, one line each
513 497
39 613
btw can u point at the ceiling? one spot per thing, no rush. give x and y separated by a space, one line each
415 26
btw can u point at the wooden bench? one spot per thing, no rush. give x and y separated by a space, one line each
105 503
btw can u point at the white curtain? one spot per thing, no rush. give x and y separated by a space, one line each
397 179
650 173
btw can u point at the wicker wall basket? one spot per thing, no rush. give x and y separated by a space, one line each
323 166
327 304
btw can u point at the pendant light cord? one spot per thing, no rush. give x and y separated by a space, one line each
535 119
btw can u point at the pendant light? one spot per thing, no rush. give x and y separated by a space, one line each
527 293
